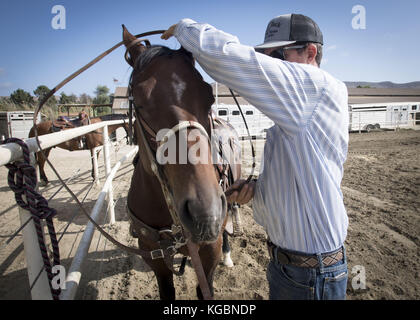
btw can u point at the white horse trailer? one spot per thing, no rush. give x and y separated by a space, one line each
368 116
16 124
258 123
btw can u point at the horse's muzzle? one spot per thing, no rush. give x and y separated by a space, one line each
203 221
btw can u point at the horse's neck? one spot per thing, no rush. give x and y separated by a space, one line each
146 200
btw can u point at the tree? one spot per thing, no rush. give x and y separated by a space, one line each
41 91
21 97
84 98
73 98
64 99
101 91
102 97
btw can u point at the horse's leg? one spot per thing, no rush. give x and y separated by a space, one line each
94 154
210 255
41 163
164 277
227 261
165 282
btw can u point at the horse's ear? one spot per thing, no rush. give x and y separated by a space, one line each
133 46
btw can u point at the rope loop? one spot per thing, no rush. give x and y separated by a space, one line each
22 181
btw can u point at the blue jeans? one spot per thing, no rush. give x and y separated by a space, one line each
288 282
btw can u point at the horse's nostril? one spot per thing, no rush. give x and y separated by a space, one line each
203 220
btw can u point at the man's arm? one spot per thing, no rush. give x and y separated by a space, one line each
286 92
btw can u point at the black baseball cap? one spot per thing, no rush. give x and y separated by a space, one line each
290 28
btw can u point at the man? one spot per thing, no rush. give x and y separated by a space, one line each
297 198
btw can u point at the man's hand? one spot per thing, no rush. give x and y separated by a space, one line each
168 33
240 192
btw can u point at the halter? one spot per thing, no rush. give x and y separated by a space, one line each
154 166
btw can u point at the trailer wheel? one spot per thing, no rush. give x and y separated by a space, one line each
377 126
369 128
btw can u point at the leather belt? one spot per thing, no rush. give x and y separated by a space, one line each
305 261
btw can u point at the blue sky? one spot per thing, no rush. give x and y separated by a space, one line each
33 53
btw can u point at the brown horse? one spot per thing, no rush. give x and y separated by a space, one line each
167 90
86 142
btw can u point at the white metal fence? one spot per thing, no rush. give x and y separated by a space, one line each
40 288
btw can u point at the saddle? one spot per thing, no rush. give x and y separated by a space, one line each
63 122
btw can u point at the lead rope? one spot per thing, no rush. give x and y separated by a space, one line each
22 180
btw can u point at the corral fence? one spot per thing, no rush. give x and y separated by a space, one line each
38 280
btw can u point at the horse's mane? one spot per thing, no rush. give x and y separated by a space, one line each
158 51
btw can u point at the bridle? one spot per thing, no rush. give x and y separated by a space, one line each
155 167
176 231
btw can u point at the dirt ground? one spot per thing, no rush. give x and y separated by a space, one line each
381 192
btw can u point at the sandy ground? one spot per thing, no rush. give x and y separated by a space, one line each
381 192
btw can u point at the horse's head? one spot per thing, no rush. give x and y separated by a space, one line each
83 117
167 90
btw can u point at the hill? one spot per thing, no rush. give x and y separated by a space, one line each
384 84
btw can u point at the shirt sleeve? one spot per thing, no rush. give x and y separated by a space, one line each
285 92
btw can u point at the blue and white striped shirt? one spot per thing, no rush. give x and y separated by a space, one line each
298 199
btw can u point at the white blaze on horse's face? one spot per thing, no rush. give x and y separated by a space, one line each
178 86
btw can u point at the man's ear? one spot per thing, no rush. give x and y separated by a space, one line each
312 52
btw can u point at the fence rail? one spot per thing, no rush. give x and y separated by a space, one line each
11 152
74 273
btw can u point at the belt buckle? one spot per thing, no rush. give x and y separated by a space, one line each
276 254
